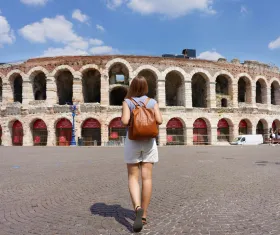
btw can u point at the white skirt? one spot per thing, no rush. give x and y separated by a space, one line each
136 151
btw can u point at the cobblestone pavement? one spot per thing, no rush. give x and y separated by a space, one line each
197 190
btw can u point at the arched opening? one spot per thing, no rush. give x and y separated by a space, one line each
244 127
199 91
117 132
91 132
275 93
152 82
244 90
117 95
91 86
17 134
275 125
40 133
261 92
40 86
17 88
200 132
64 83
63 132
174 89
0 135
260 128
118 74
222 85
223 133
224 103
1 90
175 132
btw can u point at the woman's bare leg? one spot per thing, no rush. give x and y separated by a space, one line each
146 171
133 184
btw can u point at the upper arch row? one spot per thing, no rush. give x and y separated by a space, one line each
132 73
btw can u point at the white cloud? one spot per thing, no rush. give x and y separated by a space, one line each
174 8
6 33
274 44
210 55
78 15
34 2
100 27
66 51
244 10
103 50
96 42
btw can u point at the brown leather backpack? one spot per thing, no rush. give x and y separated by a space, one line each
143 123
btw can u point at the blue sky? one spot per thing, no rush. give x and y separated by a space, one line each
244 29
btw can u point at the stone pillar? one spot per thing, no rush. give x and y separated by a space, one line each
51 135
77 90
213 136
27 134
188 94
161 92
253 96
52 97
7 93
27 92
189 135
235 95
104 89
268 94
253 129
104 134
235 130
6 134
162 135
211 96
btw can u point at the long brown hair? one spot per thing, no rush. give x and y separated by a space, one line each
138 87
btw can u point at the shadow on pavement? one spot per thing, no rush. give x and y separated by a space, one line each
115 211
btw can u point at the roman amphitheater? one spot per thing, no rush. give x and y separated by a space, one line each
202 102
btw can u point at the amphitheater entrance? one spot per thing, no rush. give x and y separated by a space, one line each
175 89
152 82
261 92
245 127
223 132
17 88
40 86
65 87
91 86
275 93
199 91
117 132
40 133
276 125
244 90
175 132
63 132
91 132
1 90
117 95
223 91
118 74
17 134
200 132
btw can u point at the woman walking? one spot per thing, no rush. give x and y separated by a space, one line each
140 155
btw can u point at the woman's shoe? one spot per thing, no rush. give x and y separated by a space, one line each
144 221
138 224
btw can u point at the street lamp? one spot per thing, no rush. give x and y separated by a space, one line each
73 140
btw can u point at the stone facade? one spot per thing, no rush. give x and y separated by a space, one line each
186 89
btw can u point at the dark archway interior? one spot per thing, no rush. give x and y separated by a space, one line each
222 86
18 89
119 74
199 91
1 91
242 90
91 86
259 92
65 88
275 93
224 103
152 82
174 89
117 95
40 86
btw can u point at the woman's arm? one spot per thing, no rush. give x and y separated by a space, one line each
158 114
125 114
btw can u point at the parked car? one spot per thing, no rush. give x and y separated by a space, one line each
248 140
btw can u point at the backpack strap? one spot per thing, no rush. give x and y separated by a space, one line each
146 102
134 102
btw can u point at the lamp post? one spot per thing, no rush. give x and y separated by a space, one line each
73 140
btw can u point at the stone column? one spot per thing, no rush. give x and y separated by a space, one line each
253 96
77 90
162 136
235 130
52 97
253 129
188 94
268 94
7 93
104 134
104 90
27 92
212 103
189 135
27 134
213 136
51 135
161 94
235 95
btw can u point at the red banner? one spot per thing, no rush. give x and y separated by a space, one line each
174 123
243 124
116 123
39 124
200 124
17 125
91 124
223 123
114 135
64 123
